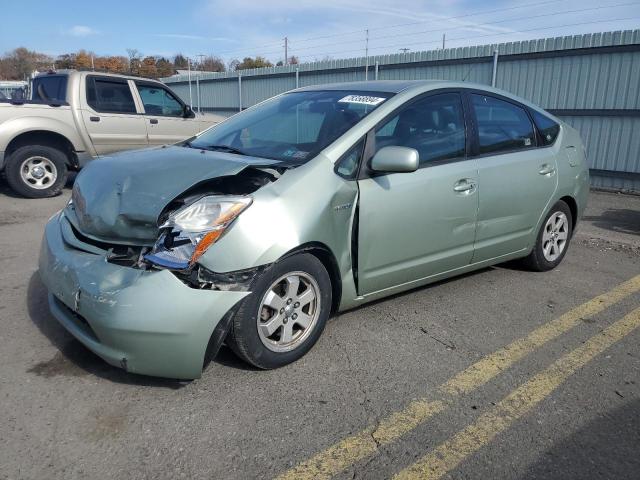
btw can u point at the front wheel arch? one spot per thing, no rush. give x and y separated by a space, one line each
324 254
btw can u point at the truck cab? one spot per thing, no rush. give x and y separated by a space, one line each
72 117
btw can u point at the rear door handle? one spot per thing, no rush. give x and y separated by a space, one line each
94 119
546 169
465 186
153 121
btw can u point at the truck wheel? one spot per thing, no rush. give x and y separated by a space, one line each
36 171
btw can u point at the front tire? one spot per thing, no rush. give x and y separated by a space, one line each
36 171
553 239
285 314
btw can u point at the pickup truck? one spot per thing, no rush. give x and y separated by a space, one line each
73 117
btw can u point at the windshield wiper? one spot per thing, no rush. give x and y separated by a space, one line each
224 148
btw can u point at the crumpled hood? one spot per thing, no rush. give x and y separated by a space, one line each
118 199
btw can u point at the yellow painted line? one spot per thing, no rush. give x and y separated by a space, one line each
365 443
487 368
449 454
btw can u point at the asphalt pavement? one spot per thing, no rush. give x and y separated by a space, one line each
502 373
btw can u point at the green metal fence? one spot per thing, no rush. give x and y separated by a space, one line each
591 81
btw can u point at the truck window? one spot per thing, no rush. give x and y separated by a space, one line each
47 88
110 96
158 101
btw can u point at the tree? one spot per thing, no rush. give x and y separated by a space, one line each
180 62
66 60
148 68
84 59
233 64
248 62
293 60
165 67
18 64
134 60
113 64
212 64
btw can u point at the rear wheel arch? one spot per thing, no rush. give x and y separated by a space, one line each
45 138
573 206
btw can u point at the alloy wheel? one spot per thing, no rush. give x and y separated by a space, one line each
38 172
288 312
555 236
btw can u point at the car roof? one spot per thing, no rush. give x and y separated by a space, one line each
419 86
395 86
72 72
387 86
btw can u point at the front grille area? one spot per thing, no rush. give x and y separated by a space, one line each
124 255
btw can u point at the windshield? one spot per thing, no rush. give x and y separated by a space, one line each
293 127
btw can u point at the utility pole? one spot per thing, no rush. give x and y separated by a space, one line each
200 55
189 73
366 55
443 37
286 51
93 67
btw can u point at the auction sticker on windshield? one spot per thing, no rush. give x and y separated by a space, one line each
362 99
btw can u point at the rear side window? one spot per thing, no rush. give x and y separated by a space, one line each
50 88
502 126
110 96
547 128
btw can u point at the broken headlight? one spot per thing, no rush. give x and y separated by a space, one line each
191 230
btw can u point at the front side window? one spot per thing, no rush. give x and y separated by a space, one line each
110 96
293 127
434 126
158 101
502 126
50 88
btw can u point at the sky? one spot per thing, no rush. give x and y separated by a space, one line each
316 29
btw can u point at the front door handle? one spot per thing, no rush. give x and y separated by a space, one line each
465 186
546 169
153 121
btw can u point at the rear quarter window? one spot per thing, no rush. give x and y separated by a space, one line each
548 129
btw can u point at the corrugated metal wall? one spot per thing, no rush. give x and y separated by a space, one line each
591 81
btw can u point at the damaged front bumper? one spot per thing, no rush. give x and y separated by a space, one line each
145 321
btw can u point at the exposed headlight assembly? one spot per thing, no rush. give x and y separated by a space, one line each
191 230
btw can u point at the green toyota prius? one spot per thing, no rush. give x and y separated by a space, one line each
318 200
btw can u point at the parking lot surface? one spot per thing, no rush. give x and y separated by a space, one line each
502 373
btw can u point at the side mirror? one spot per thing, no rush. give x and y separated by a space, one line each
188 113
395 160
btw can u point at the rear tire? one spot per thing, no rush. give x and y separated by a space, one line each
285 314
36 171
553 239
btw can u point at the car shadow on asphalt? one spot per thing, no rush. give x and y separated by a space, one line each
620 220
606 447
73 359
